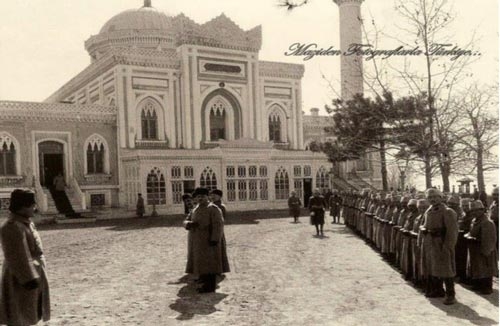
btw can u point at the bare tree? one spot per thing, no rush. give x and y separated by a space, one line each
478 130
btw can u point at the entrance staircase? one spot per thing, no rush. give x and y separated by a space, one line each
70 207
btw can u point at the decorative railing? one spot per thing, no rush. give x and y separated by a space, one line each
76 188
151 144
11 180
40 197
98 178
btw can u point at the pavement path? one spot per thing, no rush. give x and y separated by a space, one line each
131 272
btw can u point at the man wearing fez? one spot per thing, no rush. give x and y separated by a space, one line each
206 227
24 294
482 237
139 207
441 229
294 204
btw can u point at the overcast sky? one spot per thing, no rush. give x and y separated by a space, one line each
42 41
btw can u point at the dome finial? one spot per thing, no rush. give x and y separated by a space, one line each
147 3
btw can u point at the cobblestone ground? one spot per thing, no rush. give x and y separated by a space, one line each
130 272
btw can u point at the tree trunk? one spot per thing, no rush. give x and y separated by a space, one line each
445 175
428 171
383 166
479 167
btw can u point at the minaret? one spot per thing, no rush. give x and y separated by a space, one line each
351 67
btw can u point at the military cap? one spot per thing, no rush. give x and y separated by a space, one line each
454 199
476 205
187 196
20 198
412 202
216 192
200 192
434 191
495 191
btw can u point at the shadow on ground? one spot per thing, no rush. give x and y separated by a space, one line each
190 303
459 310
125 224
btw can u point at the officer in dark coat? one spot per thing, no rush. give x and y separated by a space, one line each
24 289
317 208
216 198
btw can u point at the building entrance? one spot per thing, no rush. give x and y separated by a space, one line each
51 161
307 191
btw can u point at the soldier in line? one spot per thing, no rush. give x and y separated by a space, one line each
464 223
294 205
206 227
441 228
419 277
317 208
494 210
24 295
406 258
482 237
335 203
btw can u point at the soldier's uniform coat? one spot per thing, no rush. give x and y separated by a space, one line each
442 247
23 262
483 258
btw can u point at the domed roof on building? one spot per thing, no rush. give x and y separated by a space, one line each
144 18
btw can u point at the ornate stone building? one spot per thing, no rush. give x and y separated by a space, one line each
165 105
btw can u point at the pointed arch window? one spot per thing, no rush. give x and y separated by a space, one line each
281 184
96 153
218 121
155 187
275 128
95 158
208 179
7 157
322 181
149 122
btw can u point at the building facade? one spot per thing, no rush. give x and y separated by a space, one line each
166 105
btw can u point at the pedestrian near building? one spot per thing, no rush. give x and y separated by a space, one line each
317 208
294 205
441 228
59 183
139 207
24 294
482 237
335 203
216 198
206 227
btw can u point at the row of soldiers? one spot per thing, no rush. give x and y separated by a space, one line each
431 237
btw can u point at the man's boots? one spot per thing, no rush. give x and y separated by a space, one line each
450 291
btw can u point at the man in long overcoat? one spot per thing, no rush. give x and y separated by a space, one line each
294 204
483 263
317 207
216 198
206 227
24 289
441 228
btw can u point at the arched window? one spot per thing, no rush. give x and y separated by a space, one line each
281 184
97 156
208 179
274 128
7 156
149 122
218 121
322 181
155 187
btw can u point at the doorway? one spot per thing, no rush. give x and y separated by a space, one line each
307 191
51 161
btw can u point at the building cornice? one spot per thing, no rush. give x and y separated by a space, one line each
35 111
